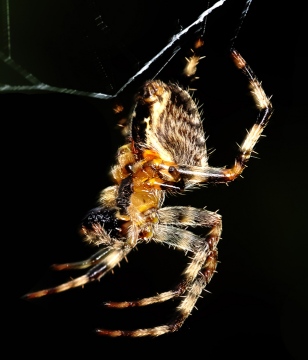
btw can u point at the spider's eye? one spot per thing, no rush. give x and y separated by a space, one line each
129 168
171 169
102 217
174 172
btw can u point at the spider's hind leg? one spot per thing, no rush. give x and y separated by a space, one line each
196 174
262 102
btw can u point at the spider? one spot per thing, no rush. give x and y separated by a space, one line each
165 153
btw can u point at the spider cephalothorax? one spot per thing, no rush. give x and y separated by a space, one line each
165 152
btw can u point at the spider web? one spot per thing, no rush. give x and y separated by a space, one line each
101 55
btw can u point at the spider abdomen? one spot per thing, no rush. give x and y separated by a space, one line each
167 120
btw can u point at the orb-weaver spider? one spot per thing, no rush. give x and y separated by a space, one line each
165 152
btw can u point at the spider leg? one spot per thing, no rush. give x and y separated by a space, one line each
175 237
84 264
104 262
196 275
195 174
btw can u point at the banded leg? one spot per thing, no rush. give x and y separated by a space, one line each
83 264
101 263
179 238
196 275
195 175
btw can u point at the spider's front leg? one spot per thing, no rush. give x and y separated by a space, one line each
196 275
100 226
200 271
102 264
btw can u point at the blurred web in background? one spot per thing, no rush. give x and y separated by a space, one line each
24 80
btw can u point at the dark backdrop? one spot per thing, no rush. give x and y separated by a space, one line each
57 151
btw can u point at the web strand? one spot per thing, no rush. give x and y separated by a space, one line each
38 86
242 18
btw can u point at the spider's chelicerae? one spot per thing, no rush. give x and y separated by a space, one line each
165 152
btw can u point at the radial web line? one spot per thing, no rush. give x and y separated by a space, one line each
40 86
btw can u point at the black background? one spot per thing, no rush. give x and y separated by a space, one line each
59 148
